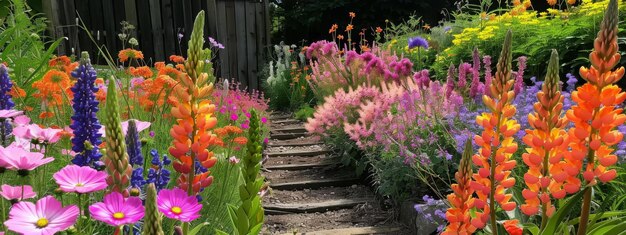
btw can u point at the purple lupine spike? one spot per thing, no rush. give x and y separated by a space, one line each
6 103
85 124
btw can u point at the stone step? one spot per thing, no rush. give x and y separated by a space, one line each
352 231
330 205
317 183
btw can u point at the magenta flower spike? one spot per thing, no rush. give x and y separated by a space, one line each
77 179
46 217
14 194
175 204
116 210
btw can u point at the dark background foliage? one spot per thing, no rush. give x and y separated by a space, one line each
311 19
295 20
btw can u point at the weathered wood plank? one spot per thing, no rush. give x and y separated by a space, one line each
251 47
144 31
301 153
352 231
287 136
232 39
157 30
290 130
294 167
170 39
222 36
285 121
330 205
315 184
240 28
294 144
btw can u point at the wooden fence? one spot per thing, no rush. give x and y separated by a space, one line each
242 26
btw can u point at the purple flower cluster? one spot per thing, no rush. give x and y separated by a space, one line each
432 211
6 103
418 42
85 124
215 44
157 174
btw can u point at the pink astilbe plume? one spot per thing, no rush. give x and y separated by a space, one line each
46 217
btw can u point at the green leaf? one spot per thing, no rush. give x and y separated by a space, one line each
560 214
197 229
609 227
532 228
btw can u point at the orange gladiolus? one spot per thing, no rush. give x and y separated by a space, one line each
461 201
547 145
497 145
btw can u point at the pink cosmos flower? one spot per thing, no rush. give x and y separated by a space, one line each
9 113
233 160
175 204
46 217
141 125
15 193
17 158
76 179
22 120
115 210
35 132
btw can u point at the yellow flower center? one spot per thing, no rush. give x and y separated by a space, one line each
79 185
118 215
176 210
41 223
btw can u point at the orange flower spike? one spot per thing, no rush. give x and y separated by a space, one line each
546 147
461 201
496 145
194 113
595 115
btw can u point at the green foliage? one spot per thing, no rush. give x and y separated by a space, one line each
287 80
23 44
304 112
152 219
249 216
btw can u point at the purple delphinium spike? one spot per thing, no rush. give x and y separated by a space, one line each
85 124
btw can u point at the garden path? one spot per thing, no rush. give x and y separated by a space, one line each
311 193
